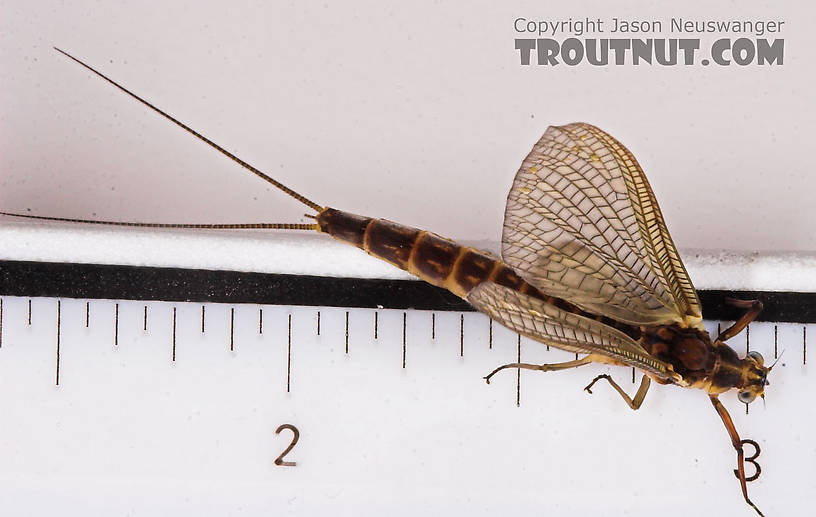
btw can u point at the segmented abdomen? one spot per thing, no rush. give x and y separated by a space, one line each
438 261
434 259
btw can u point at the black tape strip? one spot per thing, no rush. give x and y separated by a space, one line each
94 281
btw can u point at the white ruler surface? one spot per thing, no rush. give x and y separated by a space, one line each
129 408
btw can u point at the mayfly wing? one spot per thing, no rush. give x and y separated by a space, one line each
544 322
582 224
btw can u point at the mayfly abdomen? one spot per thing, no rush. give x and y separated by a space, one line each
438 261
428 256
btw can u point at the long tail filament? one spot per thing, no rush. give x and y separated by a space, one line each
279 185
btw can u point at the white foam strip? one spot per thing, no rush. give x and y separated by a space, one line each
312 254
299 253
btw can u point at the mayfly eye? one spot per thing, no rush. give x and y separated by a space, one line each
746 397
756 356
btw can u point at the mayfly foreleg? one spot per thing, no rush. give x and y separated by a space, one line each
541 367
633 403
738 444
753 308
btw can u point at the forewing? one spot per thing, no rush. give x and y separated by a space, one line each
582 223
548 324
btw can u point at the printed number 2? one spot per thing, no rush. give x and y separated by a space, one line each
295 436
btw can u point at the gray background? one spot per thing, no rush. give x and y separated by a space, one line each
419 114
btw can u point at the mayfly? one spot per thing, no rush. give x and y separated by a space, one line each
587 266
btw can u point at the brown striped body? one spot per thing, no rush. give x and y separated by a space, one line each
437 260
434 259
713 367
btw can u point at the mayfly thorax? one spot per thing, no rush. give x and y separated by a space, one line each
587 266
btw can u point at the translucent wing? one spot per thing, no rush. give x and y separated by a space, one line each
548 324
582 223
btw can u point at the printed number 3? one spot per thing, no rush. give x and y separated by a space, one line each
295 436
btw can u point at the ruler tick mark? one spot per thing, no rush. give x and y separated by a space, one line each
747 345
404 340
776 339
346 332
145 318
1 322
232 329
318 323
87 313
461 335
490 333
518 373
376 320
29 312
174 334
260 320
202 319
289 351
433 325
633 375
804 345
59 303
116 325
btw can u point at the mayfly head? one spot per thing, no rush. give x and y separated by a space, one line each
754 377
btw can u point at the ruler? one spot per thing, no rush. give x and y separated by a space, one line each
135 389
132 407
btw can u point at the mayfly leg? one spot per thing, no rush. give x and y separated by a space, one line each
753 308
741 459
541 367
633 403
